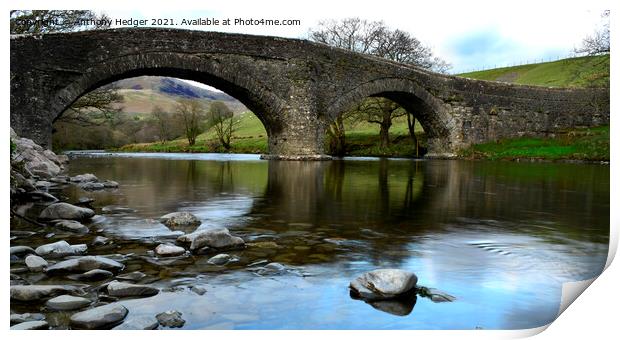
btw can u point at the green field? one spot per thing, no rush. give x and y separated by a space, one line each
591 144
363 138
251 137
571 72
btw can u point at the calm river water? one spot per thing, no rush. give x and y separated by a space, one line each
501 237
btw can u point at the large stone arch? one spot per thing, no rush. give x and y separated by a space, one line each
431 112
247 90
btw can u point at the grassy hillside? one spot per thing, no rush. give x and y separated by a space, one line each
572 72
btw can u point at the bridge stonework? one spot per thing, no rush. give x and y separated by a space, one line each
295 87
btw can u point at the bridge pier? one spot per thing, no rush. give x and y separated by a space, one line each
298 132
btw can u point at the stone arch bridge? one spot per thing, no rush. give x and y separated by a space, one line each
295 87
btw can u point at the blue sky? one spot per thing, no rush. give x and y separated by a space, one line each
469 35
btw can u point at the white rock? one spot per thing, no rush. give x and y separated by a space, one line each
383 284
60 249
166 249
102 317
67 302
35 263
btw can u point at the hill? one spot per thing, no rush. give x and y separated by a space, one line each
572 72
141 94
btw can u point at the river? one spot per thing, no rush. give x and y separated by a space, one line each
501 237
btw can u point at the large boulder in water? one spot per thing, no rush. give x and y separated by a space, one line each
103 317
66 211
382 284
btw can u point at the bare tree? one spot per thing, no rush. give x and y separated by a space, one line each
381 111
375 38
222 121
598 43
163 123
94 108
191 114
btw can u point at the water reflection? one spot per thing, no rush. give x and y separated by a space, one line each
501 237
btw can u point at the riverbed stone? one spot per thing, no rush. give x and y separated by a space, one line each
124 289
84 264
116 209
100 240
25 317
221 259
41 196
37 292
167 249
383 284
35 263
110 184
92 275
102 317
73 226
171 318
84 178
180 219
134 276
67 302
30 325
60 179
43 184
66 211
435 295
198 290
216 239
21 250
91 186
140 322
60 249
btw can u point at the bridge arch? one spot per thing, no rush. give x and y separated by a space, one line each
248 90
430 111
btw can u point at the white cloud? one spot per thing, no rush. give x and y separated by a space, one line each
536 29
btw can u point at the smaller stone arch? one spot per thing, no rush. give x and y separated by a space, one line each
430 111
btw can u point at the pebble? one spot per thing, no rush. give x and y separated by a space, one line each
171 318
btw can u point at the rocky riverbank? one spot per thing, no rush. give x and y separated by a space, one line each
67 273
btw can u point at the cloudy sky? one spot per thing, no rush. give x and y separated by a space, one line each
468 34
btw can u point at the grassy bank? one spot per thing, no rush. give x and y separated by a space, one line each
591 144
571 72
